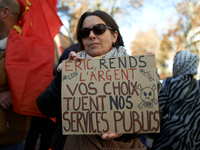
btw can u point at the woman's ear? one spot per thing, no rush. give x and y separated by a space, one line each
115 36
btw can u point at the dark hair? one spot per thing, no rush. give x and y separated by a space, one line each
109 22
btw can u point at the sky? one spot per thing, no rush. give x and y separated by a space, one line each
157 14
154 13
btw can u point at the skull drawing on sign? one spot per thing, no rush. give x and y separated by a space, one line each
147 96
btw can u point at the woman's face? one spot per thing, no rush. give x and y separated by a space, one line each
97 45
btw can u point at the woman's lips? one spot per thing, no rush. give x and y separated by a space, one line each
92 44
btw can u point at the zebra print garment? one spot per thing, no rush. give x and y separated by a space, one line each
182 130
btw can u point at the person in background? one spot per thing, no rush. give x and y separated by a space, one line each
181 129
13 127
99 37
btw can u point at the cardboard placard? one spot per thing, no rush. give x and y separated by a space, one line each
111 95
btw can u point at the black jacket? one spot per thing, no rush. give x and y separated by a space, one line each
49 102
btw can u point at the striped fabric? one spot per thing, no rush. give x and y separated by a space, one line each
182 130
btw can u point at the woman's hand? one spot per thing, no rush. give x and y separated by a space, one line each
72 56
109 136
59 68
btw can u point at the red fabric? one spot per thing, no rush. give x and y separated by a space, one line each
54 4
50 12
30 56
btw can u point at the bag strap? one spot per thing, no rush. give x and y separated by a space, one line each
181 102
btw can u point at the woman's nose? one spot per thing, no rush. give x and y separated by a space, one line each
92 35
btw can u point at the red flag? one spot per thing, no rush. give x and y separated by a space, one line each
50 12
30 54
54 4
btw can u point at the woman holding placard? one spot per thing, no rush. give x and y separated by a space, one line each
99 37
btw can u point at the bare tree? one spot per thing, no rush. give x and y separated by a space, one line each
146 42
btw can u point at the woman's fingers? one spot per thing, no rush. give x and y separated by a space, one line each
109 136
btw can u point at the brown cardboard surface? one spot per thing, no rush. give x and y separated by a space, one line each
114 95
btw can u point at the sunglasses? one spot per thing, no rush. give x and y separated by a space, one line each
98 29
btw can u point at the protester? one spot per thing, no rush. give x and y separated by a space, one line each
99 37
13 127
181 129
